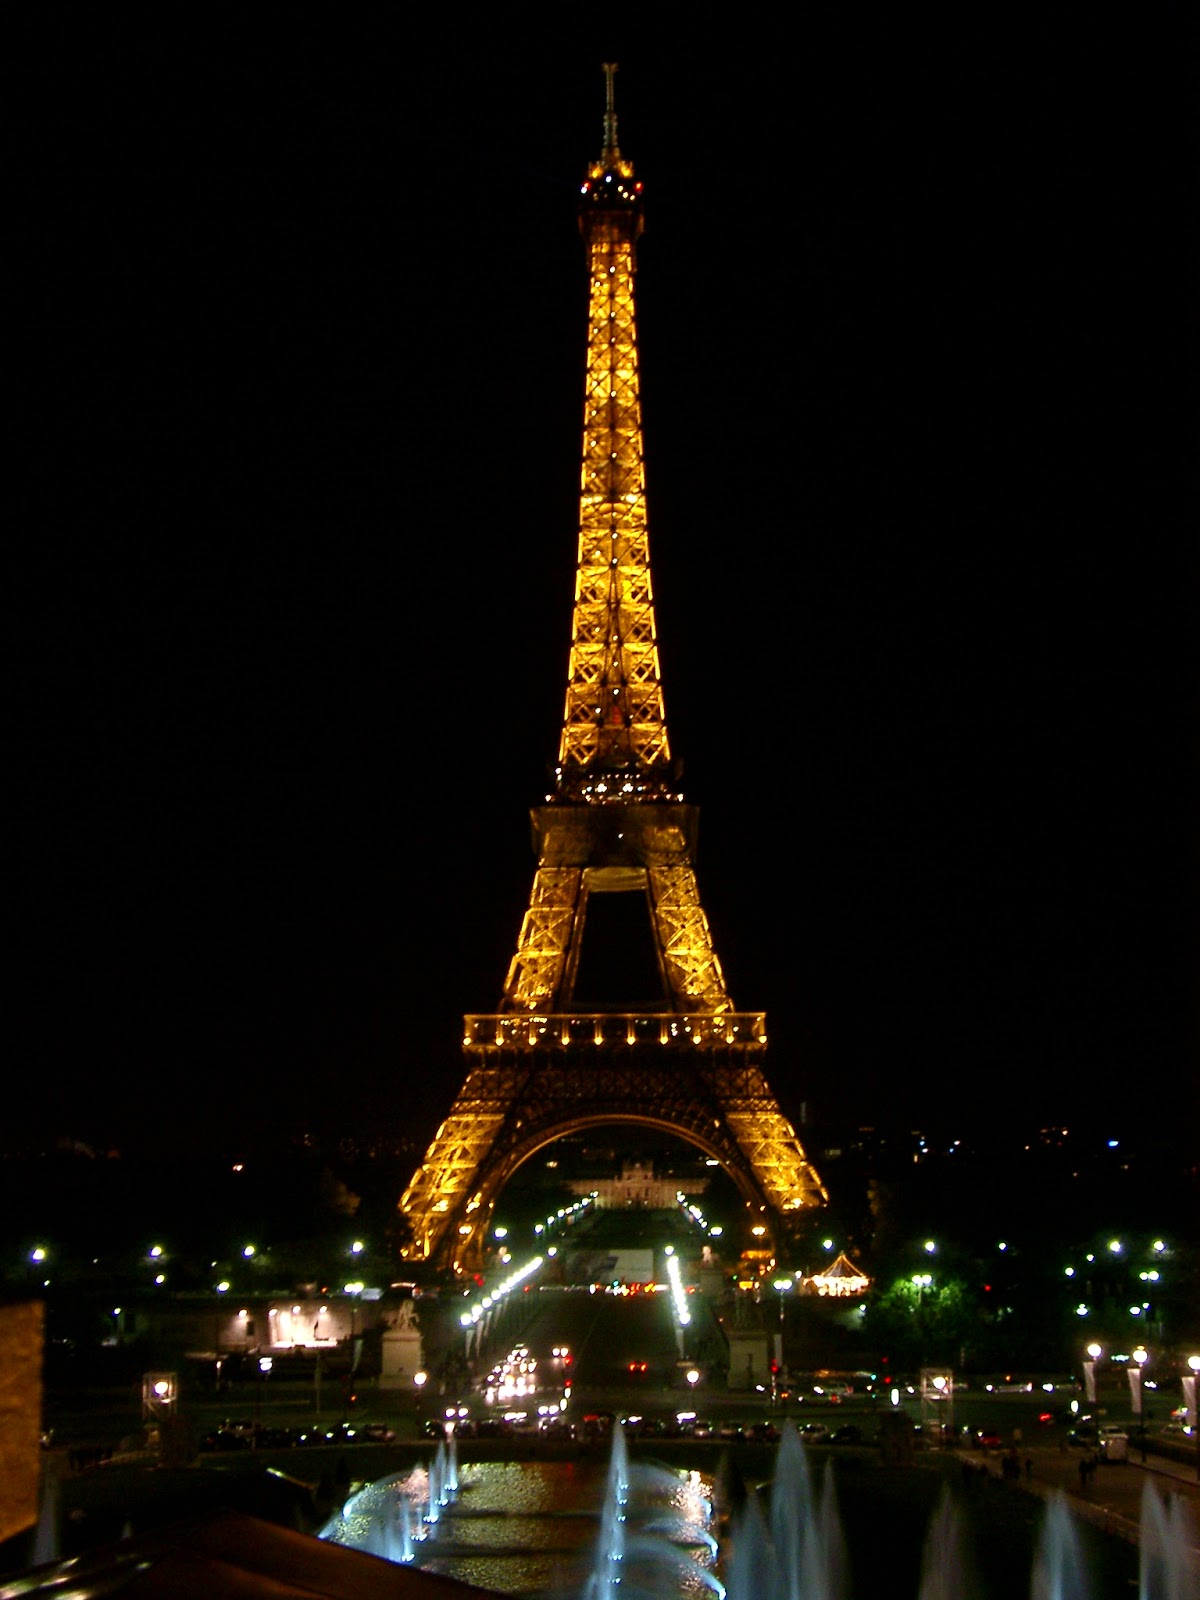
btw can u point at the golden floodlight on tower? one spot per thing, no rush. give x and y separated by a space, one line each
615 1007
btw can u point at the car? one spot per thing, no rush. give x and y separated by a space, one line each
848 1433
832 1391
761 1432
1083 1436
813 1433
226 1439
276 1438
636 1425
988 1438
1112 1443
556 1427
378 1433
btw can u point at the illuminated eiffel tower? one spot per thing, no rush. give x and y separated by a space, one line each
615 845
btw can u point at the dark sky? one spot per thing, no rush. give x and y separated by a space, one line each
299 318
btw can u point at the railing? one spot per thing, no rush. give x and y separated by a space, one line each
673 1030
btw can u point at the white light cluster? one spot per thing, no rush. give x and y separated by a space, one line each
678 1295
489 1300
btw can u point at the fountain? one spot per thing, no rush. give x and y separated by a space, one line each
644 1531
443 1481
1058 1568
795 1549
1168 1566
652 1524
944 1566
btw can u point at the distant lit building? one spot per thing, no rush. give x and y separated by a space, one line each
637 1188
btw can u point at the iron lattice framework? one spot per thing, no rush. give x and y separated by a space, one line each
688 1064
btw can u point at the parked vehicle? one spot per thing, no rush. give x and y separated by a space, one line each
1112 1444
556 1427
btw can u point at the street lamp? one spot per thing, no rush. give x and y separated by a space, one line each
921 1281
1094 1351
782 1286
1141 1355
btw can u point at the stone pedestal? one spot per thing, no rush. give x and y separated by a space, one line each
749 1360
401 1356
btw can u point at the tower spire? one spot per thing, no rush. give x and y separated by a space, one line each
612 153
614 734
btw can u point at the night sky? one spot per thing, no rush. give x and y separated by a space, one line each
299 315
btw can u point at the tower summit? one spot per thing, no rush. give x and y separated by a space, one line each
582 1039
614 736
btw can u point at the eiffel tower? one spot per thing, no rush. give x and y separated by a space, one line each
615 846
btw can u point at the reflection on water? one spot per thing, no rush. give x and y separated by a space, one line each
535 1527
587 1530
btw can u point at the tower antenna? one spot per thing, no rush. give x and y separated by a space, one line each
611 150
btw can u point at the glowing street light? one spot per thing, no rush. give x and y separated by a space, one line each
1094 1351
1189 1396
782 1285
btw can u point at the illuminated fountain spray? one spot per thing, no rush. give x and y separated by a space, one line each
381 1518
1058 1566
399 1537
1168 1565
943 1560
652 1524
439 1483
795 1550
785 1541
607 1572
799 1548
